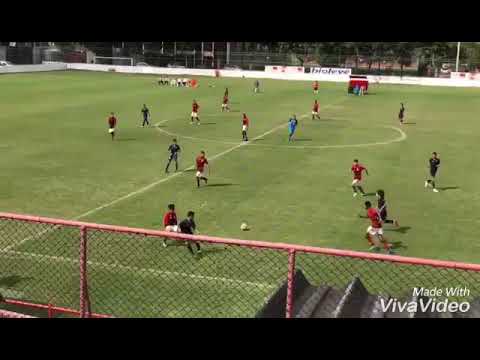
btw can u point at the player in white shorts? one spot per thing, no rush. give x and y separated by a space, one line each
170 222
194 114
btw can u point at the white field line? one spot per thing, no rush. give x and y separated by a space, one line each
117 268
143 189
402 137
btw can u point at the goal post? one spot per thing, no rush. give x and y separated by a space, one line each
107 60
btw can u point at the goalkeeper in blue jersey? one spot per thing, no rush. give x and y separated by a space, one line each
292 126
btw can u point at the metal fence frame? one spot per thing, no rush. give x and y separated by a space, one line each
288 249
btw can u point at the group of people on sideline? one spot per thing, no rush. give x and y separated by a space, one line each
179 82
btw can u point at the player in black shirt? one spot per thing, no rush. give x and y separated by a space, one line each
434 164
401 114
146 115
382 208
256 86
188 226
174 149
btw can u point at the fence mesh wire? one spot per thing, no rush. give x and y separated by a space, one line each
132 274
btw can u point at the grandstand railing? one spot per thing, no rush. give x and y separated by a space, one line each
93 270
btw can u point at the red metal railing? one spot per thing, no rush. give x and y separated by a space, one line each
107 255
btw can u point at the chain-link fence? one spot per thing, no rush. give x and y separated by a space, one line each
62 268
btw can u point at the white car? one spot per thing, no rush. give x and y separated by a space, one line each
5 63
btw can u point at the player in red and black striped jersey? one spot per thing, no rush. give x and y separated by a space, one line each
194 114
112 123
357 171
375 230
170 222
201 162
315 110
225 104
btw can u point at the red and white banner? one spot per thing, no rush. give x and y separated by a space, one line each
465 75
285 69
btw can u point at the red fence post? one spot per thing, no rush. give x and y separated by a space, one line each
290 283
83 272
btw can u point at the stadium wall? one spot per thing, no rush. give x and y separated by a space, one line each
32 68
334 77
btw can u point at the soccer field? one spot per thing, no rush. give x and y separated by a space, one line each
59 161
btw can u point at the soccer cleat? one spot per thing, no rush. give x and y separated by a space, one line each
435 190
198 123
165 244
355 194
426 183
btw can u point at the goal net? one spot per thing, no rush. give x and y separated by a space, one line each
105 60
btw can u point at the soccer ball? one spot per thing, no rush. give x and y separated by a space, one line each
244 227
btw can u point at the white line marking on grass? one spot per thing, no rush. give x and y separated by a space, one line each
143 189
402 137
138 270
148 187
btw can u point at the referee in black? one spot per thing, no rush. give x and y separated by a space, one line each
434 164
188 226
174 149
146 115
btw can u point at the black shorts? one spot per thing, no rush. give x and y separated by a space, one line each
174 157
433 173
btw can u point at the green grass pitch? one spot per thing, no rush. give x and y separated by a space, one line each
58 161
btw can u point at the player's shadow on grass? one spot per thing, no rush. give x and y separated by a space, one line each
409 123
302 139
221 185
398 245
126 139
10 281
208 123
446 188
401 229
213 250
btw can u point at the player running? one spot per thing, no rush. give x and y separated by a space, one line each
146 115
375 230
401 113
434 164
112 123
292 126
170 222
174 150
315 110
201 161
315 87
225 103
245 125
357 170
195 108
189 227
382 208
